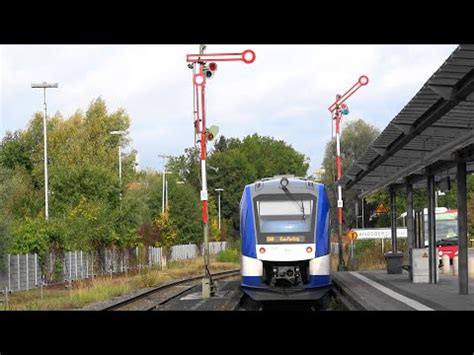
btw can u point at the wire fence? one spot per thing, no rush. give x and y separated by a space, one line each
28 271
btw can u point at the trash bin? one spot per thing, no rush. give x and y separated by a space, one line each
394 262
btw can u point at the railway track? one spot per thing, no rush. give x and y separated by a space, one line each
162 294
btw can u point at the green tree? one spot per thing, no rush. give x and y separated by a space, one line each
84 188
6 219
355 138
22 199
94 182
30 236
167 232
37 235
185 211
15 150
187 167
242 163
235 171
132 213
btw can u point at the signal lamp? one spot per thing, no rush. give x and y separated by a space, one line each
344 109
214 130
309 249
209 70
209 135
211 132
262 250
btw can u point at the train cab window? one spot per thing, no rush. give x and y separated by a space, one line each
285 216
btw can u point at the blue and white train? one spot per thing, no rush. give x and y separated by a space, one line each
285 237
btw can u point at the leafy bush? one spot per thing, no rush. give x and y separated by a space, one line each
229 256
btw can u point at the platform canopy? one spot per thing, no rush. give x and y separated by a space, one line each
429 135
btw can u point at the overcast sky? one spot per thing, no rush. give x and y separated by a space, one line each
285 93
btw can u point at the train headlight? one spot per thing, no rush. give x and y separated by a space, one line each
309 249
440 253
262 250
284 182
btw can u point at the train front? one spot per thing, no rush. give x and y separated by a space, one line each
284 228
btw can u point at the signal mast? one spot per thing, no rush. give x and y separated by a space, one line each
337 109
206 70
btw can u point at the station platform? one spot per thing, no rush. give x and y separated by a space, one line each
377 290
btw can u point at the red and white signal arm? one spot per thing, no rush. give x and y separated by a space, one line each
248 56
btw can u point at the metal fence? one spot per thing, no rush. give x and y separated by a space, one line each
217 247
182 252
23 272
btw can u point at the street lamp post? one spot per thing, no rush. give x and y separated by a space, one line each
165 188
44 85
121 133
219 206
166 202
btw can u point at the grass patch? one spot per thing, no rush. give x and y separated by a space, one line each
103 288
98 290
229 255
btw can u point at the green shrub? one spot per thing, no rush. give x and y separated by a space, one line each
229 256
364 246
233 243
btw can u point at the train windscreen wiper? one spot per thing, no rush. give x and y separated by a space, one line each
289 194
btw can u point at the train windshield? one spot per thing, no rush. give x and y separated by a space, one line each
285 216
285 219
